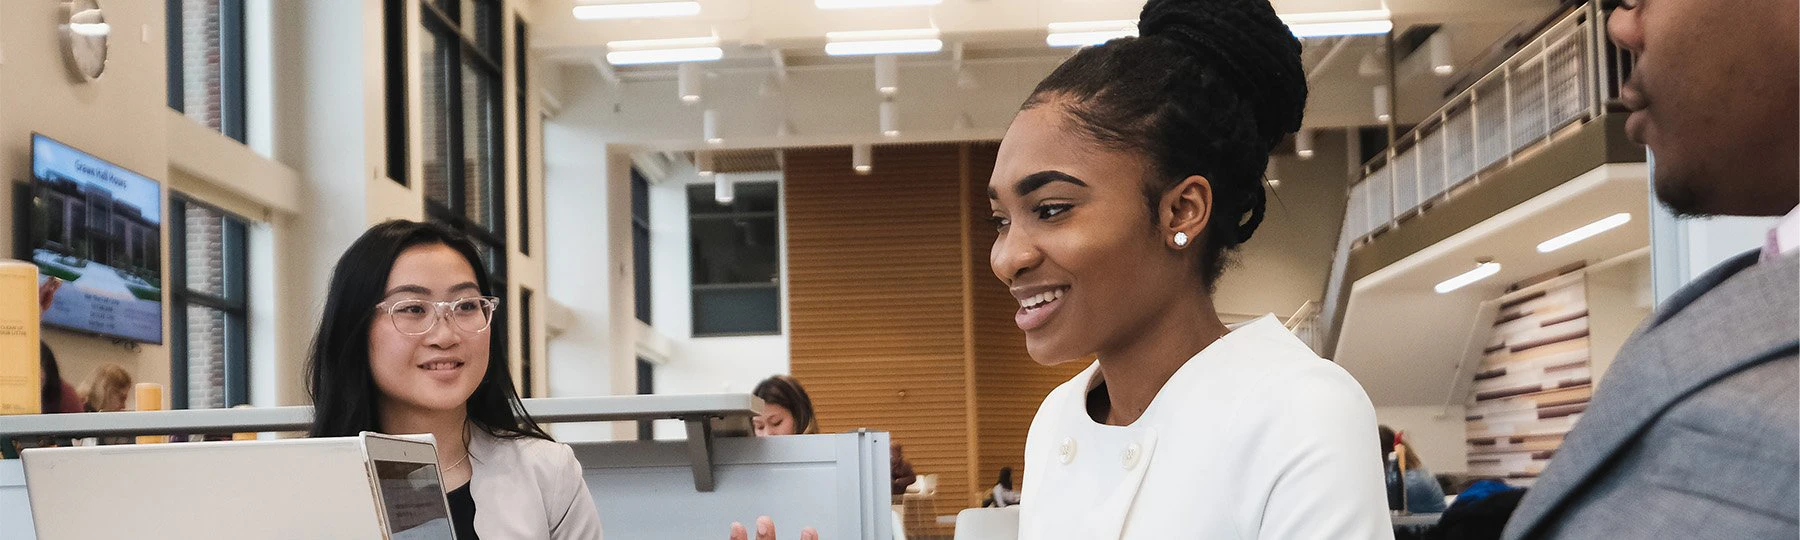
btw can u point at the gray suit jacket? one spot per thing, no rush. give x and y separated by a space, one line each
1695 429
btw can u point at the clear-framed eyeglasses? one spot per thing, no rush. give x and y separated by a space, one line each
470 314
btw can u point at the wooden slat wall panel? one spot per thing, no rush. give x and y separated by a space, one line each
875 270
1533 383
1009 384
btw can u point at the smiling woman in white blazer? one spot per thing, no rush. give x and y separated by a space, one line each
406 346
1123 185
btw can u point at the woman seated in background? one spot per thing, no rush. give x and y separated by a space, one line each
1423 493
787 410
108 389
1123 185
405 346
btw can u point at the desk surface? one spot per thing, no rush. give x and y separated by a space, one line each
215 421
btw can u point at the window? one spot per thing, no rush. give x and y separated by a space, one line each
462 125
206 63
646 385
210 346
524 342
736 261
640 243
521 91
393 36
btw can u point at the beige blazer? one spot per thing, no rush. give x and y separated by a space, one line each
529 488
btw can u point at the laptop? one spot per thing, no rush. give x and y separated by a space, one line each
371 486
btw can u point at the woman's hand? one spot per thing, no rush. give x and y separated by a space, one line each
47 293
765 530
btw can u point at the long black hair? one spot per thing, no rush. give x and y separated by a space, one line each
339 378
786 391
51 388
1209 88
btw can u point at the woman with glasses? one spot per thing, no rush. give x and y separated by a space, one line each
406 346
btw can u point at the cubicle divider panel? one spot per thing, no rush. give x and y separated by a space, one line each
838 484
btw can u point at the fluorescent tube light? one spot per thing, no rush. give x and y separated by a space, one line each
1482 271
922 40
1585 232
637 10
856 4
1081 34
1340 23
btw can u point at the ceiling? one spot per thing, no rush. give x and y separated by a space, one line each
1404 341
769 39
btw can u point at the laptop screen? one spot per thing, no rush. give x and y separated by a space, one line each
413 499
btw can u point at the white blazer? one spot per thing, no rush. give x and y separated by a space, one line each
529 488
1255 437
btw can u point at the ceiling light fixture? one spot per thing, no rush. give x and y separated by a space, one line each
703 163
858 4
1443 62
1340 23
1303 144
887 74
663 51
1082 34
724 191
709 126
1383 109
923 40
687 83
862 158
637 10
1585 232
1483 269
890 119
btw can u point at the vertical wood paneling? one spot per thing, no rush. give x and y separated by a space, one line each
876 287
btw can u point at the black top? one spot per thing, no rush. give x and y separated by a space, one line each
462 513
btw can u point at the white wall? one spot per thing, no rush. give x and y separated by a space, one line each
1438 436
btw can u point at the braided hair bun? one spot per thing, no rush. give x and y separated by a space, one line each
1248 44
1208 89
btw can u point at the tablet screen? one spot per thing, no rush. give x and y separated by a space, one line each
414 500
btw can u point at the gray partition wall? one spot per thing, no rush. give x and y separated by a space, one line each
838 484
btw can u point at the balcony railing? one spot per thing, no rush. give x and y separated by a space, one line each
1566 75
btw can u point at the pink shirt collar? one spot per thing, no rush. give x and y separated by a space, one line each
1784 237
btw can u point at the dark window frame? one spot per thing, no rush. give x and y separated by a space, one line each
694 289
445 20
521 91
232 106
235 304
525 381
640 246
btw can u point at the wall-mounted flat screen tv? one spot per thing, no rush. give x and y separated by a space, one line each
97 227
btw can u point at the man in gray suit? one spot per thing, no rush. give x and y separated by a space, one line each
1695 431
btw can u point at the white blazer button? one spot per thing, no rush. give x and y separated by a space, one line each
1066 452
1131 456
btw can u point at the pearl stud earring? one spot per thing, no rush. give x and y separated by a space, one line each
1181 239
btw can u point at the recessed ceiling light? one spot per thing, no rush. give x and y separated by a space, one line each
1586 231
1340 23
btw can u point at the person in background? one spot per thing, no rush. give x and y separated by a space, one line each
406 346
1423 493
108 389
1695 430
787 410
1004 494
